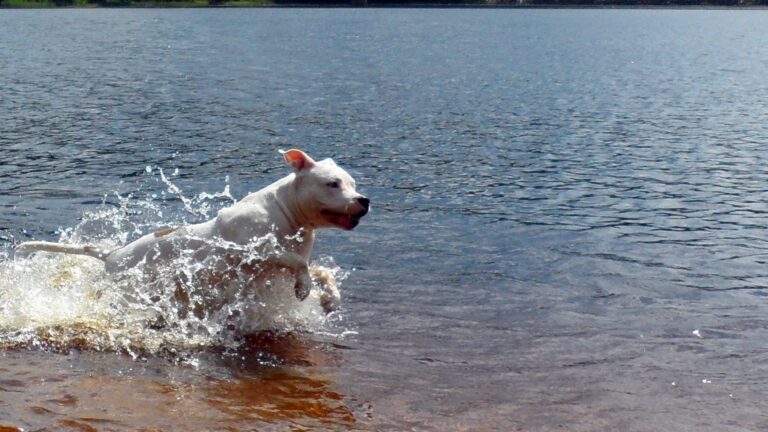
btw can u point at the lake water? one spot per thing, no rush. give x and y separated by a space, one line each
568 227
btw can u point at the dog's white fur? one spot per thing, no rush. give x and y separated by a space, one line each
316 195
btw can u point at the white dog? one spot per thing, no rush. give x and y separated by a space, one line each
316 195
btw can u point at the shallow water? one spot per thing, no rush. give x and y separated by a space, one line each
568 227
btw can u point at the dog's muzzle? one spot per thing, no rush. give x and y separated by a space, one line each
348 221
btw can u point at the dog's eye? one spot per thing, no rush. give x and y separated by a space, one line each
333 184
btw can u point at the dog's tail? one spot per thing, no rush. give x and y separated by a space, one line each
34 246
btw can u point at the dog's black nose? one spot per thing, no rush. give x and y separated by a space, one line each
365 202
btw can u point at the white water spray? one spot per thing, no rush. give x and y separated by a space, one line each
65 301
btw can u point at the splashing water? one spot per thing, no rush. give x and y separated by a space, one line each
57 301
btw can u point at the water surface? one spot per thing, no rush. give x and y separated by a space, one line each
568 227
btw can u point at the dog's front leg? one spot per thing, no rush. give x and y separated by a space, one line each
300 268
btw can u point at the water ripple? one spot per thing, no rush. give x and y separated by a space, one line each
586 181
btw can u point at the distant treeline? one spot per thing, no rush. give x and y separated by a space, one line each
254 3
131 3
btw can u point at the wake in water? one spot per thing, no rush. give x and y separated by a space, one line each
57 301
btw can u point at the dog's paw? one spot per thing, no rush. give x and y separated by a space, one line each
330 299
303 285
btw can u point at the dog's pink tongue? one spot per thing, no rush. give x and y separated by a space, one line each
346 222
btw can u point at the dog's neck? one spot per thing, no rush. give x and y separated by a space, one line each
299 232
283 195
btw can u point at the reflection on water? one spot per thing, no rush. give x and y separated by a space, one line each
280 396
241 391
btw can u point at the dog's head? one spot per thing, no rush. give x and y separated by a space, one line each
326 193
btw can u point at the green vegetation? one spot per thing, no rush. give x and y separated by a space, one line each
247 3
31 4
27 3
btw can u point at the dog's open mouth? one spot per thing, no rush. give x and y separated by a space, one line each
343 220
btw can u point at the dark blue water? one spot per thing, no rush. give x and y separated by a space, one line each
569 225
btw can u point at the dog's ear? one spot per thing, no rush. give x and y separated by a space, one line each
298 160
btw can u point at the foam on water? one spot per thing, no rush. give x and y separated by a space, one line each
62 301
